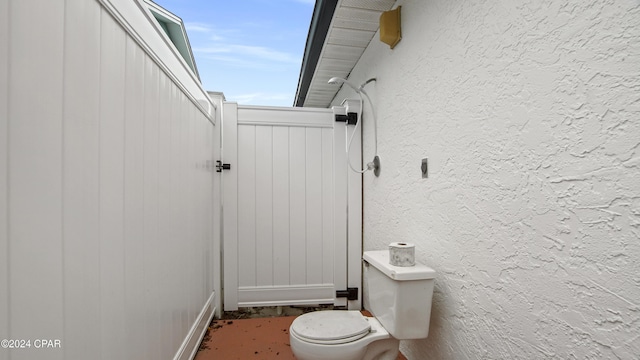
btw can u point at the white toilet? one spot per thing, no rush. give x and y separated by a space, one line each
399 299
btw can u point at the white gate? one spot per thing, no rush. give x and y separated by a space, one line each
289 206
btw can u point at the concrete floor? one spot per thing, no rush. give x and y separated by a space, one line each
251 335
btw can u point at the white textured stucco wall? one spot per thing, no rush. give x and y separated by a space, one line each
529 113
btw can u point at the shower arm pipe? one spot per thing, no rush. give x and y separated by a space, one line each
360 90
373 115
371 165
355 130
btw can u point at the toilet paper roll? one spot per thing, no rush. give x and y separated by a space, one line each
402 254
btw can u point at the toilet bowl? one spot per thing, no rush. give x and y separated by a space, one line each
341 335
398 297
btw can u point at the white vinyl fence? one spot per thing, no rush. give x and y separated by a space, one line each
105 194
285 208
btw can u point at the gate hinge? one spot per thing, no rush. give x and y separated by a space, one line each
220 166
350 293
351 118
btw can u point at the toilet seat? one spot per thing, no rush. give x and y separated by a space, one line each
331 327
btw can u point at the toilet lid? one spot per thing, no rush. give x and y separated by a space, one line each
335 326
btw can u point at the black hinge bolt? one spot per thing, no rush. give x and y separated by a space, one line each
350 293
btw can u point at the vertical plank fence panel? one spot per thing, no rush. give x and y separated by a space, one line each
313 204
35 172
298 206
281 212
112 275
354 216
133 157
5 265
165 253
81 178
264 205
340 209
150 209
328 198
230 206
247 204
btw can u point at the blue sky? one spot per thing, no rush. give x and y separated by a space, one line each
251 50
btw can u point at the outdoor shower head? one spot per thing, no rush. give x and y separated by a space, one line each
375 164
339 80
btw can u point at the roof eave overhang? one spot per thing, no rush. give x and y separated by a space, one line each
340 32
318 30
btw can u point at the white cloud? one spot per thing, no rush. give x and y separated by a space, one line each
233 50
221 46
260 98
235 62
198 27
248 52
209 31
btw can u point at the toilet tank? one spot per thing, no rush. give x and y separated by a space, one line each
399 297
